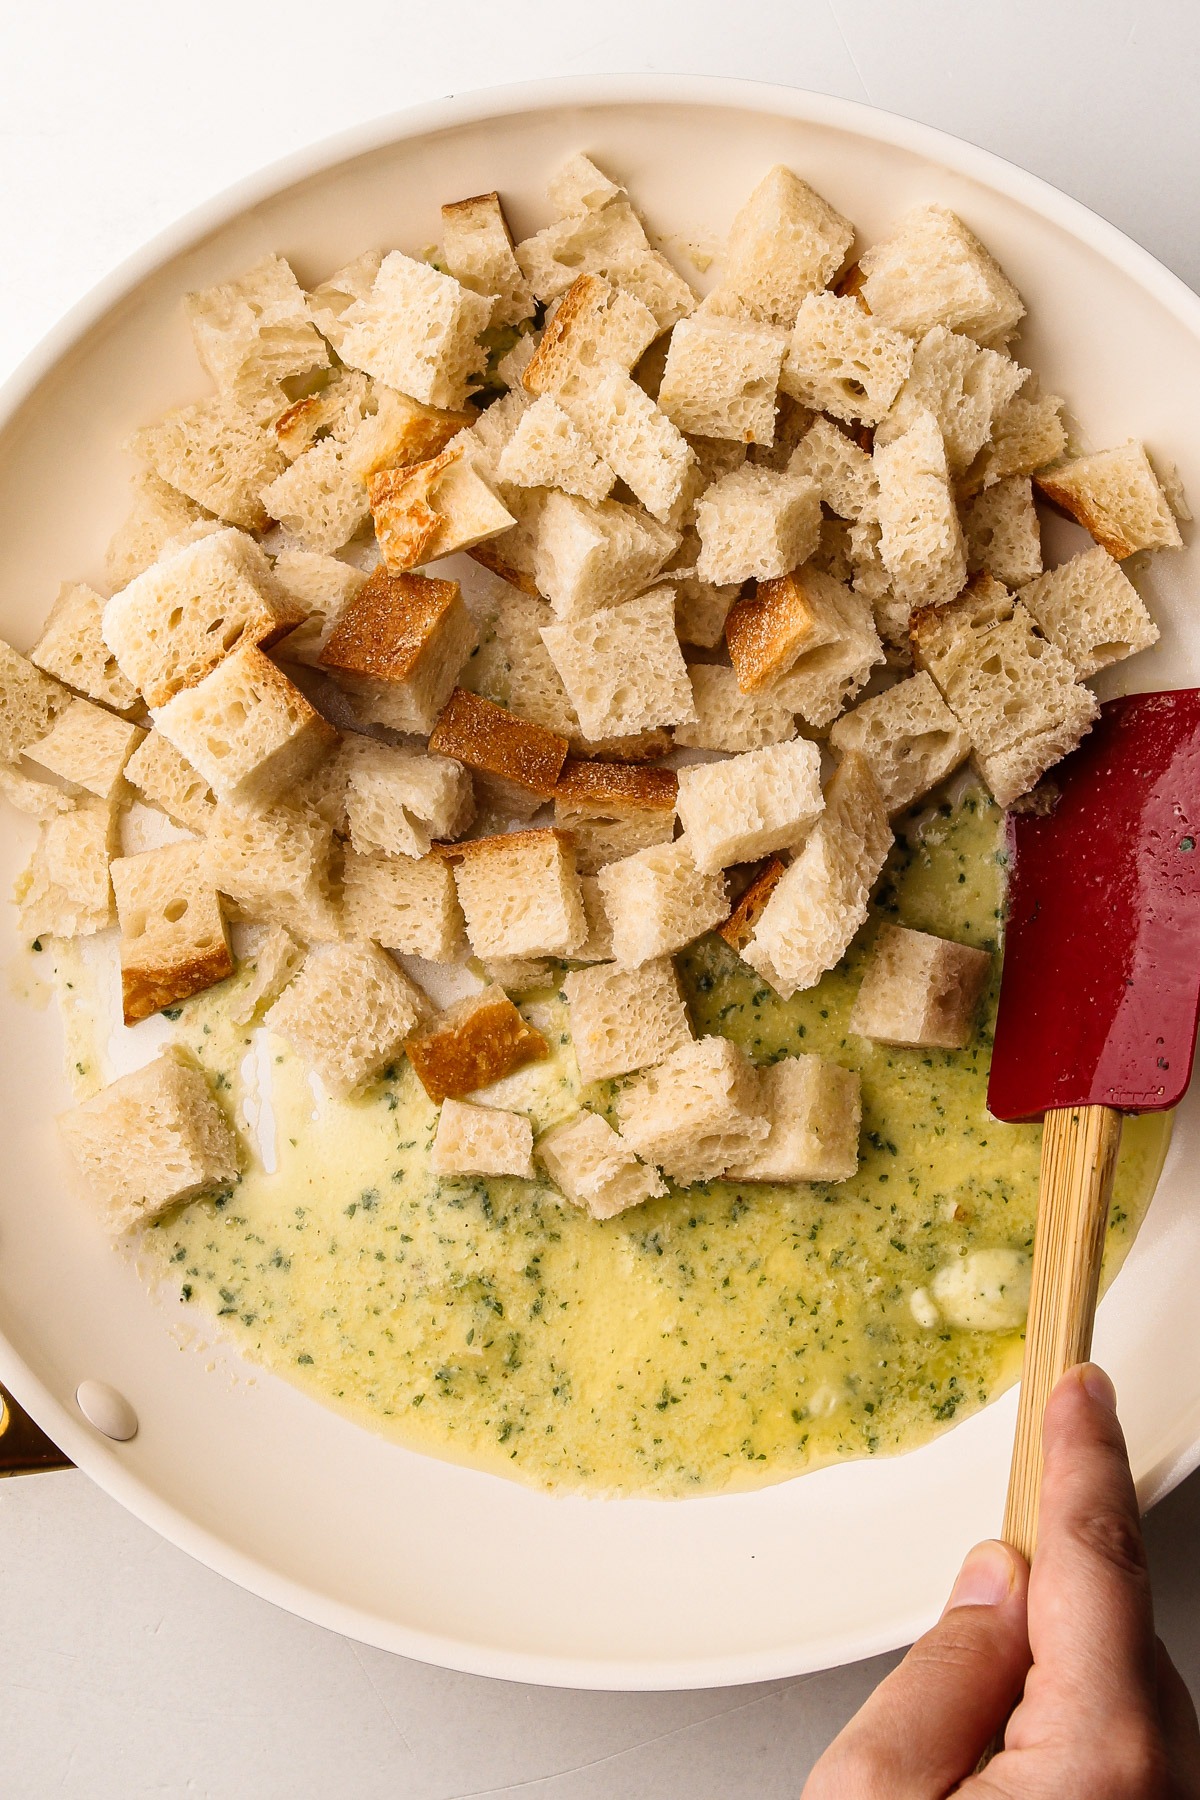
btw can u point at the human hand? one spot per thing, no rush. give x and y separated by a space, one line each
1101 1713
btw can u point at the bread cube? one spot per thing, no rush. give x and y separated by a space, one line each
40 799
72 649
399 645
535 690
820 901
217 455
909 737
264 971
589 556
65 890
622 667
613 809
1115 495
920 990
247 729
398 801
520 894
594 1169
347 1013
931 270
921 540
159 513
638 442
521 974
657 901
842 470
334 411
151 1140
253 333
745 807
477 249
494 741
174 942
815 1113
29 703
473 1043
823 679
784 243
701 607
417 331
727 719
88 747
625 1019
174 623
1013 691
1026 436
768 629
433 509
324 587
547 449
401 431
331 300
481 1140
698 1113
276 866
964 386
406 903
597 946
595 327
738 928
164 778
579 186
1002 532
1091 610
722 377
318 500
755 524
842 361
609 240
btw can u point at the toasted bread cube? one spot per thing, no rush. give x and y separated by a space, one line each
1013 691
963 385
609 240
755 524
821 900
767 630
159 513
251 334
822 680
909 737
722 378
743 808
473 1043
594 1169
401 642
175 622
433 509
739 926
613 809
785 242
520 894
931 270
477 249
399 432
547 449
657 901
174 942
535 690
165 779
698 1113
417 331
398 801
482 1140
729 720
276 866
1115 495
920 990
217 455
590 556
247 729
88 747
73 649
843 362
348 1013
406 903
595 327
625 1019
332 412
318 500
487 737
622 667
921 540
815 1114
266 969
1002 532
324 587
1026 436
65 890
329 302
701 607
842 470
151 1140
1091 610
29 703
579 186
638 442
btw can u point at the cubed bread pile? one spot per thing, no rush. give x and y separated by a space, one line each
752 573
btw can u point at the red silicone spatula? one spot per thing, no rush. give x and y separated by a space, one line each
1098 1010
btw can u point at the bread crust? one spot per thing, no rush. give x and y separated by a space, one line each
489 738
145 991
388 625
738 928
610 790
767 629
473 1044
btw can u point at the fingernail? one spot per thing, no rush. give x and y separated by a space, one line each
1098 1385
986 1578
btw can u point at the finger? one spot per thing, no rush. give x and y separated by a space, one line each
924 1729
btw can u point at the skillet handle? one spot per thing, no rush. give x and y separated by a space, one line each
24 1447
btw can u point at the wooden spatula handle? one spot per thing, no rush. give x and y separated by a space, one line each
1079 1156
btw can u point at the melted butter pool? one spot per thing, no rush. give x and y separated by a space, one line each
725 1335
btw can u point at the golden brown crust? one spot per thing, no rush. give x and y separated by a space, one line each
641 747
1074 504
489 738
767 629
555 356
401 501
501 841
386 628
427 431
610 789
488 205
739 926
147 991
488 557
850 286
473 1044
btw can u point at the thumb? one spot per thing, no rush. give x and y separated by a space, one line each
924 1729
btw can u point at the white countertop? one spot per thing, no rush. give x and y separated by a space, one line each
126 1668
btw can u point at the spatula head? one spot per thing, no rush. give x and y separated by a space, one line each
1101 982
